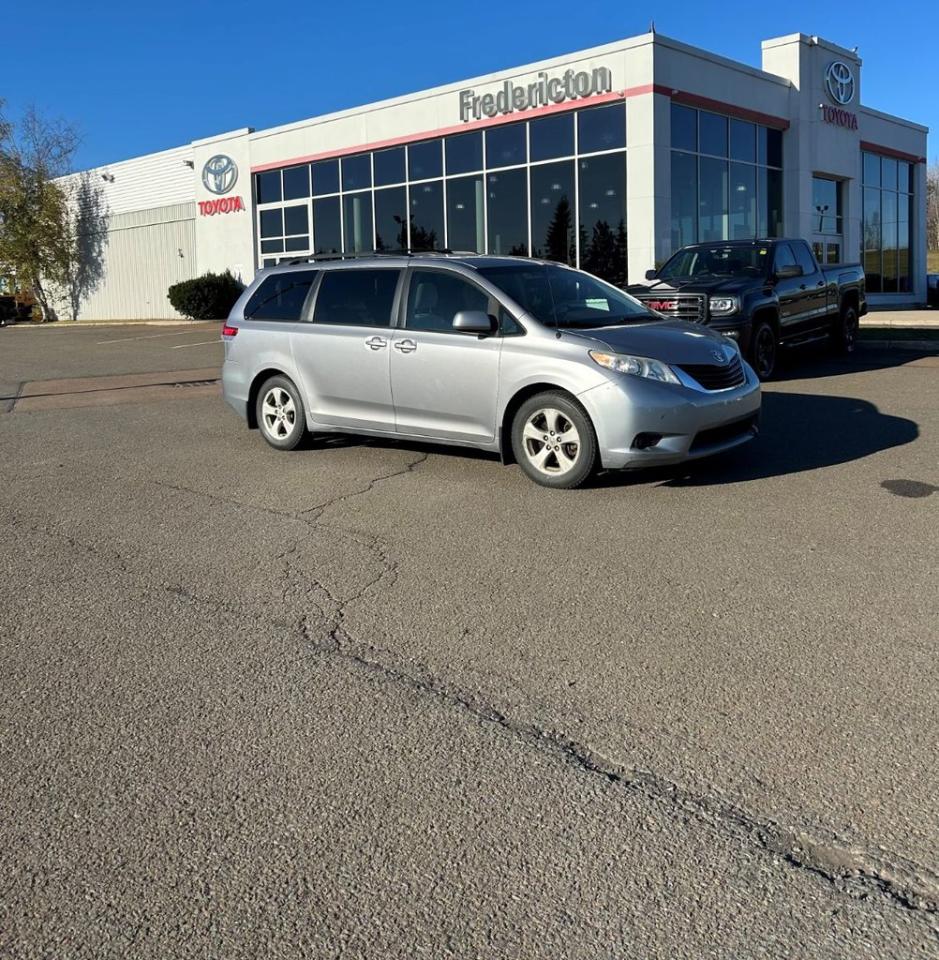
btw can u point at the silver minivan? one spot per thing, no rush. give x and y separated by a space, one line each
548 366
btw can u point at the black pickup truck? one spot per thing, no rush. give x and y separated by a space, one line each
763 293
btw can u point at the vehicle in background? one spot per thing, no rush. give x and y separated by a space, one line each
16 304
544 364
932 289
762 293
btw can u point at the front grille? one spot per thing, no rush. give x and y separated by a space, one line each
684 306
713 376
718 436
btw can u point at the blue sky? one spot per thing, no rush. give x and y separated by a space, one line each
137 77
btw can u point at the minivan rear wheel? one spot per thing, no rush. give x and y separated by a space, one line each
553 440
279 412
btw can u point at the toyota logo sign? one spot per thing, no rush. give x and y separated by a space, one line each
839 78
219 173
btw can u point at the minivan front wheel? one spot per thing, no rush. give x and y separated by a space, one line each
553 441
279 412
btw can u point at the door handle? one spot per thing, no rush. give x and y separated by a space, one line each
405 346
801 286
376 343
821 283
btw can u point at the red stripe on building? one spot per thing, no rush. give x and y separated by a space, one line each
593 101
679 96
890 152
719 106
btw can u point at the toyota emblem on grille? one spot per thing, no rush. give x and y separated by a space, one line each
719 356
663 304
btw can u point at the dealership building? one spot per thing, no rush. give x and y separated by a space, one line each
609 159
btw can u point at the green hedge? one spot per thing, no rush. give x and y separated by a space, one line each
209 297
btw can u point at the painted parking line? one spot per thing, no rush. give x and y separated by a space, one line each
201 343
151 336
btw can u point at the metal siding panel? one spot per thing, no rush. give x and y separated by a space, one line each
156 180
141 261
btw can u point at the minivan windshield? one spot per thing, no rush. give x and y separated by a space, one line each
719 260
565 298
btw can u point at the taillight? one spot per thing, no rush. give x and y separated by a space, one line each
228 331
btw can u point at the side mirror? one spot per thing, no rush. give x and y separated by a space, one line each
474 321
650 274
788 272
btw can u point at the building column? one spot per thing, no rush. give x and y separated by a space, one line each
648 181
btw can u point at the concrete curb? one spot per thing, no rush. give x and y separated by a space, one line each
97 324
919 346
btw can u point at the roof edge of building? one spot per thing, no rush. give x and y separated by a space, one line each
507 73
893 118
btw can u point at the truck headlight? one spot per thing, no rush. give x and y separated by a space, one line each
723 305
636 366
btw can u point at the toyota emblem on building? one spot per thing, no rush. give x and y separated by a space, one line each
839 78
219 173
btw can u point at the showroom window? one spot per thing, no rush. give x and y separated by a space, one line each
726 178
552 187
886 230
827 220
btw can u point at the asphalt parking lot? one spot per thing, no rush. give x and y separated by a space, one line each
380 700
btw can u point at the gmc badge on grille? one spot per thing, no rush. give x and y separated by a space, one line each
663 304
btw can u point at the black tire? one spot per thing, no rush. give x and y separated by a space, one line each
564 466
283 422
845 333
764 349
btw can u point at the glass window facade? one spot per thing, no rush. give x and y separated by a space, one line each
886 226
726 178
826 206
552 187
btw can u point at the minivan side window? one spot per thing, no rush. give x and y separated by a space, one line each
803 257
435 297
358 298
280 296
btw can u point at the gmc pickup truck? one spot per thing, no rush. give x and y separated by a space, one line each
762 293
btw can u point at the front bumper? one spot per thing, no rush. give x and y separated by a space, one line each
687 423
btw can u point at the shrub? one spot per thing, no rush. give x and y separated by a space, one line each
209 297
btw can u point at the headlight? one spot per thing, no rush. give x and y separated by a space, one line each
723 305
637 366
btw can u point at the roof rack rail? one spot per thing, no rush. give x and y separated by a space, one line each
365 254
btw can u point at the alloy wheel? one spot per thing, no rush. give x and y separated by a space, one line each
278 413
551 442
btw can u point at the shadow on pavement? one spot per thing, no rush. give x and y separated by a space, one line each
799 432
817 360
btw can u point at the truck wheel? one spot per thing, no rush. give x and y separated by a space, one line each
844 335
764 348
553 440
280 415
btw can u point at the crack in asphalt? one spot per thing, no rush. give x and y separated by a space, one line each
854 868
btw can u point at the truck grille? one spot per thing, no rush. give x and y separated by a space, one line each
684 306
714 376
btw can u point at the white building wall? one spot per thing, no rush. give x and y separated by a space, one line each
146 251
147 206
